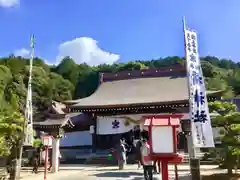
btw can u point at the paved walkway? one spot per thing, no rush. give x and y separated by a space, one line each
73 172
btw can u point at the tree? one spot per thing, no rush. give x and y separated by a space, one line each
37 143
229 120
68 69
11 132
71 80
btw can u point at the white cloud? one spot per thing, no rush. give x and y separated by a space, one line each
85 50
9 3
22 52
25 53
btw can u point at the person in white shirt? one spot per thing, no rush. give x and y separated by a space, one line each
121 151
146 160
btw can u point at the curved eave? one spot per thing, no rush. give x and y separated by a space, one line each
37 126
137 108
74 103
47 124
137 105
71 102
123 109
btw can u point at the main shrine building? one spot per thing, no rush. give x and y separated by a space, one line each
122 98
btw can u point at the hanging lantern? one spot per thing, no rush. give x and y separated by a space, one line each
60 133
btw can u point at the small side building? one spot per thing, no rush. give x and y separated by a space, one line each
67 128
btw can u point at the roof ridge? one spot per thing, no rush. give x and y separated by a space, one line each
144 73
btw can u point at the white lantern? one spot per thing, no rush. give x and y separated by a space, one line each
47 140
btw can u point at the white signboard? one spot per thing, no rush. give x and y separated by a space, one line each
199 112
113 125
162 139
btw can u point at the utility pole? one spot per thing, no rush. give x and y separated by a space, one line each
194 161
27 136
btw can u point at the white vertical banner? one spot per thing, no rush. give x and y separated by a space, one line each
200 118
28 141
28 136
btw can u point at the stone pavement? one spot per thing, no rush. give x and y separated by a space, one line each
76 172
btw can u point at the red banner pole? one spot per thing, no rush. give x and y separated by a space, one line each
46 163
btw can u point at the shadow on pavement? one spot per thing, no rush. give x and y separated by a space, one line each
118 174
185 177
99 170
142 178
158 177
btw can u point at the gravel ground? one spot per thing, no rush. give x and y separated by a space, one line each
74 172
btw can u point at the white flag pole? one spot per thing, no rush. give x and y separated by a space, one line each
194 162
28 141
190 142
27 135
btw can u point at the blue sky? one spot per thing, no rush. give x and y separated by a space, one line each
103 31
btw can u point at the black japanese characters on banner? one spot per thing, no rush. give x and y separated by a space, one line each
200 116
194 43
198 137
199 98
188 42
193 58
196 78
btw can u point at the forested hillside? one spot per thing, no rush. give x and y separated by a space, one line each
70 80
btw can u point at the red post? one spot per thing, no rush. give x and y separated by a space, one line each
164 169
46 163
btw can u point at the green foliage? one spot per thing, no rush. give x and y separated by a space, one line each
46 85
5 79
37 143
4 150
228 119
11 127
69 80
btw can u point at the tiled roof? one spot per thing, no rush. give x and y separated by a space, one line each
137 91
138 88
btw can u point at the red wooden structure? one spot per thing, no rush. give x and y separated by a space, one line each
47 142
163 140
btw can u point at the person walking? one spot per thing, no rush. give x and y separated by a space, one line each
146 160
156 166
138 153
35 164
121 152
50 161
